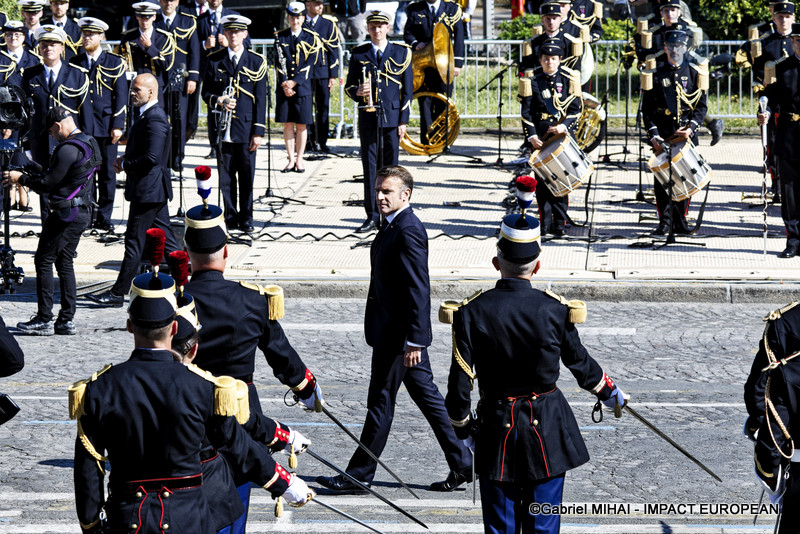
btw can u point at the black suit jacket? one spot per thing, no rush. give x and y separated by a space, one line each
399 299
146 158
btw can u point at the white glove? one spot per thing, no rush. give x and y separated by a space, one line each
298 440
310 402
746 431
298 493
469 443
617 397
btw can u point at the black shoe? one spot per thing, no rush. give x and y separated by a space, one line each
37 327
290 168
324 149
213 153
65 328
789 252
454 480
108 298
104 226
776 198
662 229
717 126
342 485
557 229
368 226
297 169
247 228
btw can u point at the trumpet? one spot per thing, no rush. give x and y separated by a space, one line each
225 115
366 78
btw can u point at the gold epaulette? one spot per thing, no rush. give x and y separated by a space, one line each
598 9
646 39
537 30
650 60
702 74
77 392
82 69
231 397
586 33
577 308
525 87
752 32
697 32
777 313
527 48
576 45
448 307
771 72
646 79
330 18
574 80
643 23
274 298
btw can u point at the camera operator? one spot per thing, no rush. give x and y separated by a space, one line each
11 358
68 184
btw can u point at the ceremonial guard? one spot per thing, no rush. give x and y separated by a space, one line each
380 79
108 96
32 11
236 85
324 74
588 13
569 35
550 105
650 38
238 317
212 38
149 416
58 9
673 107
148 49
182 78
515 337
298 50
53 83
770 395
14 37
783 86
68 182
423 16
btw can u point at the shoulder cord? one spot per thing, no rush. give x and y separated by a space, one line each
113 73
68 92
770 406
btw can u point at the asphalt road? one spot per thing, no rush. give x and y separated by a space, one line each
683 364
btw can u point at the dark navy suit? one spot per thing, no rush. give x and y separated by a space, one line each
108 93
150 415
155 60
326 67
515 337
73 31
398 311
394 91
419 29
237 164
187 53
147 187
26 59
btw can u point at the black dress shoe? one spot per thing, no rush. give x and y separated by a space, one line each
104 226
290 168
108 298
324 149
662 229
37 327
213 153
247 228
557 229
454 479
368 226
298 169
717 126
341 485
64 328
789 252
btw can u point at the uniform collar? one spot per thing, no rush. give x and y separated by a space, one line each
513 283
238 54
154 355
200 276
56 69
436 5
375 47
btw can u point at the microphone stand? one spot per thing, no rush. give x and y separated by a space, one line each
606 158
176 82
499 76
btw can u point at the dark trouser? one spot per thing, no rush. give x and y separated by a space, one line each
677 218
142 217
237 171
193 107
506 506
552 209
430 108
106 181
789 170
388 372
57 245
790 512
40 151
318 132
177 126
370 162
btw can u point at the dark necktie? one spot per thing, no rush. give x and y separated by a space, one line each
378 55
235 62
433 12
91 63
52 82
60 24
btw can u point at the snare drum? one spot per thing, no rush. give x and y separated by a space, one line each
690 172
562 165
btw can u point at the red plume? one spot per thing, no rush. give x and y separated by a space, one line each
178 262
526 183
154 246
202 172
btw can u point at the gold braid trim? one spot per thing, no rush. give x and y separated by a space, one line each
401 67
7 70
169 50
690 99
185 33
448 20
254 75
771 409
90 448
112 73
461 362
69 92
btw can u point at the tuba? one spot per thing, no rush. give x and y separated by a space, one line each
437 55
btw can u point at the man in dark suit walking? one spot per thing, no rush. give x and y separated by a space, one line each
397 326
147 185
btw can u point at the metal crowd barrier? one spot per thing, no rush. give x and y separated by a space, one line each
731 96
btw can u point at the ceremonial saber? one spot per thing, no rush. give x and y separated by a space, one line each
668 439
363 486
762 104
345 514
760 500
365 448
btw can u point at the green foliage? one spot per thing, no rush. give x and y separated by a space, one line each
10 8
729 19
614 30
518 28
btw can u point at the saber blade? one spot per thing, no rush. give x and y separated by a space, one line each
345 514
669 440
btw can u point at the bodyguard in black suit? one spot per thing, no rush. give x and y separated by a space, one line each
784 102
59 18
147 183
237 160
398 328
108 96
151 49
183 27
392 88
514 338
422 17
325 74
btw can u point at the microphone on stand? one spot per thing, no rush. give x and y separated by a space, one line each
762 104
